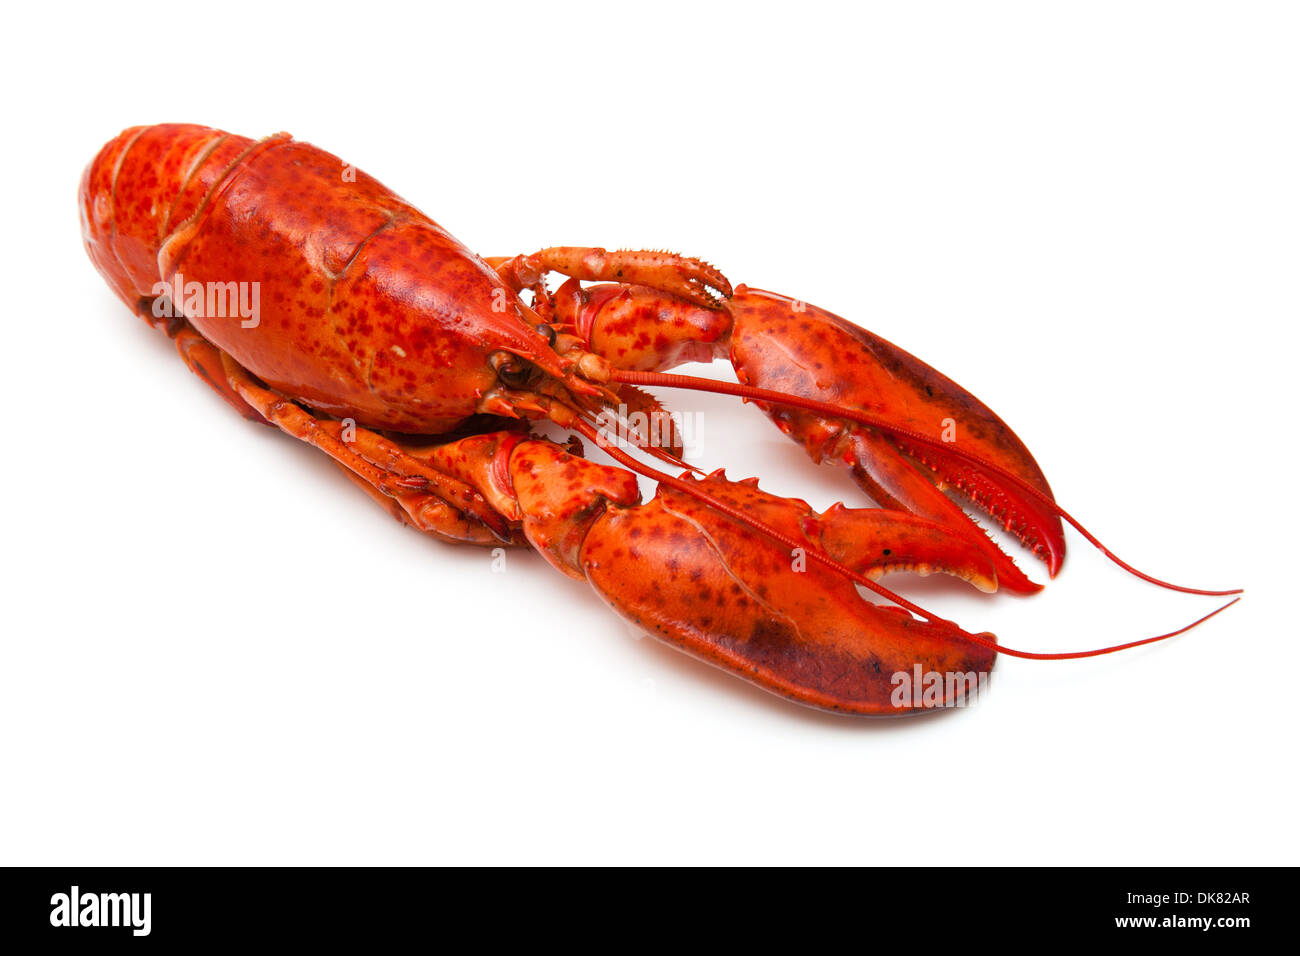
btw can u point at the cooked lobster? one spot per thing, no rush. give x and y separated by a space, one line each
313 299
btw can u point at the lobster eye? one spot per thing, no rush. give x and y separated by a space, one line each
512 370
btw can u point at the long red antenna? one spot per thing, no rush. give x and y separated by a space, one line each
692 488
694 383
1075 655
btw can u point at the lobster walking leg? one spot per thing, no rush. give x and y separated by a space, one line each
434 502
204 360
409 489
201 356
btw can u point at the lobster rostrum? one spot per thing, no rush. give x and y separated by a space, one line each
416 366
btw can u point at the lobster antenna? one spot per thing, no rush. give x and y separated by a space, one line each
692 489
646 444
1075 655
694 383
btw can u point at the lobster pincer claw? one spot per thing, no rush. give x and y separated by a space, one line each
930 433
681 568
940 432
725 593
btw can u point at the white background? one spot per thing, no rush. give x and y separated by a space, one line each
216 650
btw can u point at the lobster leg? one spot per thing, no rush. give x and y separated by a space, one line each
430 500
201 356
204 360
398 482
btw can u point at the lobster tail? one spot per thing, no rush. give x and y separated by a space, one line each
143 184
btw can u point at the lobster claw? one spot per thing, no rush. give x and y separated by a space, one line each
791 346
795 348
730 595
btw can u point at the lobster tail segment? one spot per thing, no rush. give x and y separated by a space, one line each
141 186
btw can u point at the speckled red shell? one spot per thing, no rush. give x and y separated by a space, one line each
366 307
